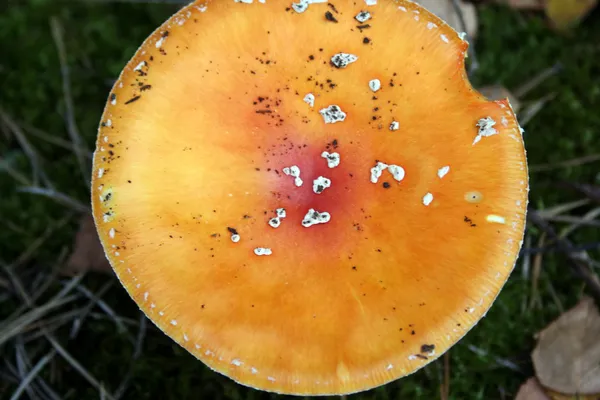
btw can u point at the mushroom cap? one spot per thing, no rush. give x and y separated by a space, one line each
222 123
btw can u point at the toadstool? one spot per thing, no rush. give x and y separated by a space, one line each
364 282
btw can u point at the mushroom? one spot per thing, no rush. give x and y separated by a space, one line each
397 264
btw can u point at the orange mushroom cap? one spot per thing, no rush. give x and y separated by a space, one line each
310 198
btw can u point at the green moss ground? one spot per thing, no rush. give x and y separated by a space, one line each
490 363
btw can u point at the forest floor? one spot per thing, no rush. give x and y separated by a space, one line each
82 337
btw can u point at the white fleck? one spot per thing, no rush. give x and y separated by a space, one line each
416 12
111 233
394 126
333 159
105 139
100 187
281 212
161 313
518 203
152 305
431 25
504 121
401 8
244 1
397 172
208 353
294 171
496 219
138 285
236 362
186 338
486 128
235 238
114 100
197 346
363 16
146 296
301 6
314 217
332 114
160 41
416 17
370 2
253 370
310 99
471 310
462 35
342 60
427 199
271 378
201 8
377 170
445 38
275 222
442 172
262 251
100 172
108 122
140 66
412 357
374 84
389 367
320 184
173 322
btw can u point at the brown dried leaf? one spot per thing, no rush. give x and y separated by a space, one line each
567 356
446 11
566 13
88 254
531 390
498 92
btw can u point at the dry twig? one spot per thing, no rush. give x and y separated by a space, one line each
57 35
578 264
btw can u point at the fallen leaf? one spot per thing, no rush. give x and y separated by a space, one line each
446 11
566 13
567 356
498 92
87 253
559 396
531 390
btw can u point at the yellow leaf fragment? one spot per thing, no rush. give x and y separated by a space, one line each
566 13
